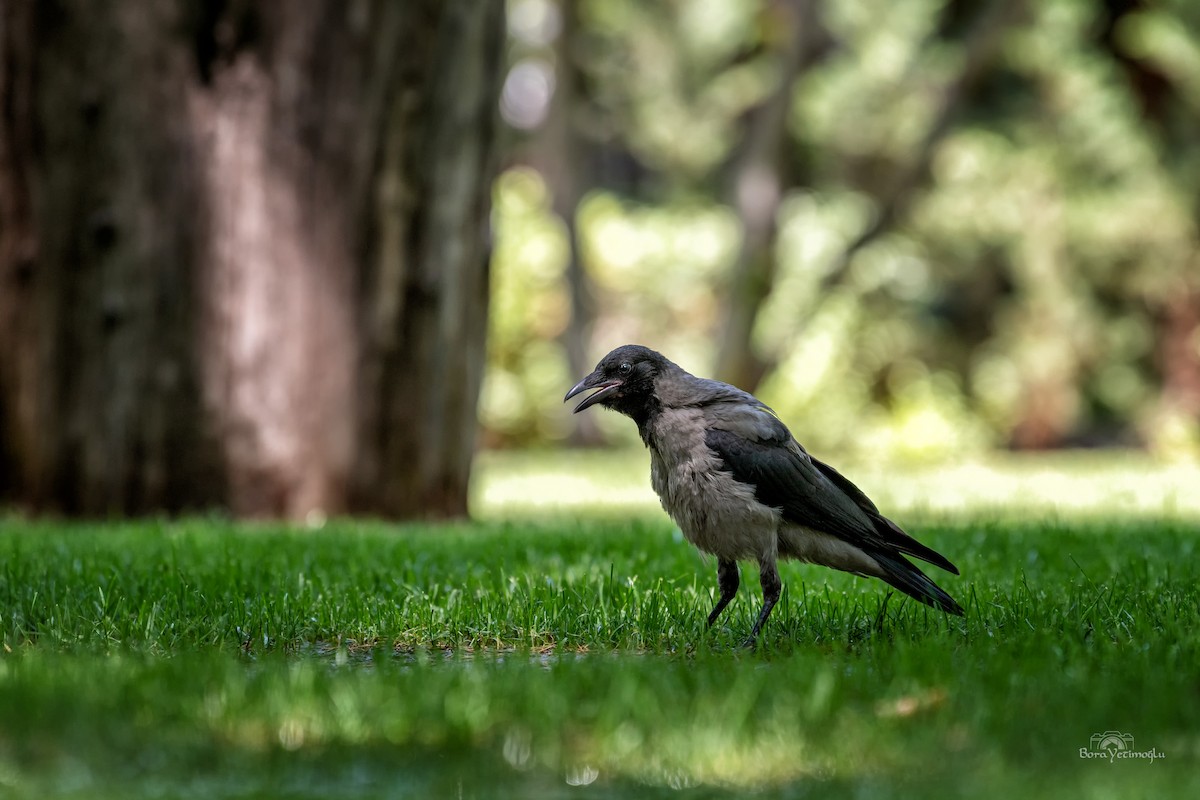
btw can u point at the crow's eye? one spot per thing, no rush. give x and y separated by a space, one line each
625 368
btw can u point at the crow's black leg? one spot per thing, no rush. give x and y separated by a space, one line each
768 575
727 579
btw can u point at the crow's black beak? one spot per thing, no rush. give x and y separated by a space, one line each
607 388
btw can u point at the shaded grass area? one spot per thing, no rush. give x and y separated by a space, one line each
529 658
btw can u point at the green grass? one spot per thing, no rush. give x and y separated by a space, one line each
517 657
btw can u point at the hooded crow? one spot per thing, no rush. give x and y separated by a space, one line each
740 487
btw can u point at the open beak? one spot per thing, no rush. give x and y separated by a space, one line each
594 381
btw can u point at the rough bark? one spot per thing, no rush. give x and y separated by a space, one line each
426 283
17 245
241 252
99 246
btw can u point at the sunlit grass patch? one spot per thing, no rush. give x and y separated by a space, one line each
1031 485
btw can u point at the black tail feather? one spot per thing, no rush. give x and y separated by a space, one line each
900 573
896 537
891 533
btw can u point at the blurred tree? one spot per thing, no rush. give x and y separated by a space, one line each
1159 47
922 227
758 178
563 154
243 253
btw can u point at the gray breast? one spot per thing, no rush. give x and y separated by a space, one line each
716 513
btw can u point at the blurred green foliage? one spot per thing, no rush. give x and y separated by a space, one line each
973 248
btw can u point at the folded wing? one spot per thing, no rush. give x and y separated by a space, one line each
758 450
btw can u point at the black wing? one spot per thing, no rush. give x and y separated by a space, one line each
815 495
785 478
889 530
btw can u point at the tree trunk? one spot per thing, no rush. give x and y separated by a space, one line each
1179 351
242 253
756 191
561 155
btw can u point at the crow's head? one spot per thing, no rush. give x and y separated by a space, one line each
625 380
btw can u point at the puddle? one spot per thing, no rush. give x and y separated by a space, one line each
360 773
353 655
